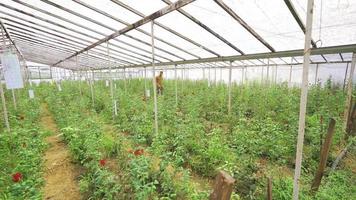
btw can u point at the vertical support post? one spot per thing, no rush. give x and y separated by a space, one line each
220 75
6 118
245 74
154 79
110 82
303 100
290 77
176 84
347 68
92 88
14 98
262 74
229 98
316 74
50 72
80 76
182 78
242 75
209 77
276 74
203 73
145 82
125 79
215 76
349 90
267 78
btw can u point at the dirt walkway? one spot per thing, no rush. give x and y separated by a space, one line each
60 175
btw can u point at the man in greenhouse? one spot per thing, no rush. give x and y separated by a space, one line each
159 83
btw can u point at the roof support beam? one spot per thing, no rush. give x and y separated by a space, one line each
138 29
243 24
127 7
108 27
291 53
86 28
299 21
139 23
195 20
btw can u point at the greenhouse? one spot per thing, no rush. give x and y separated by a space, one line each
183 99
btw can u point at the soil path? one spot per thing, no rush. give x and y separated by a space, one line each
61 174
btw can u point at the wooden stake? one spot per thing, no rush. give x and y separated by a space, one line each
222 187
324 156
269 188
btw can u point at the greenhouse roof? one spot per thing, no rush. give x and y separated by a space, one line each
73 33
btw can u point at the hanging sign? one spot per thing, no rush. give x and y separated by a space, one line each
31 94
12 70
107 83
115 85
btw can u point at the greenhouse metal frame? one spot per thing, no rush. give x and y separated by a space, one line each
57 40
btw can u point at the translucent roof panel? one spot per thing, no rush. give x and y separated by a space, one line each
213 15
272 21
331 16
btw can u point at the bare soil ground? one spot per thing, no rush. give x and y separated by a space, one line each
61 174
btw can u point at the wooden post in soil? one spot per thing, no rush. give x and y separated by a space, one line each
324 156
303 100
269 188
222 187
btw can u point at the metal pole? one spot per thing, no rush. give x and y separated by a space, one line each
154 79
316 74
220 74
275 75
215 77
145 82
6 118
110 81
92 89
176 84
203 73
14 98
229 100
267 78
303 100
347 68
209 77
125 79
242 75
262 74
349 90
290 77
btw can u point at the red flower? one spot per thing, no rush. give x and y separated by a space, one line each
17 177
102 162
138 152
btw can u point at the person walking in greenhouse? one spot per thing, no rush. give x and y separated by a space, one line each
159 83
